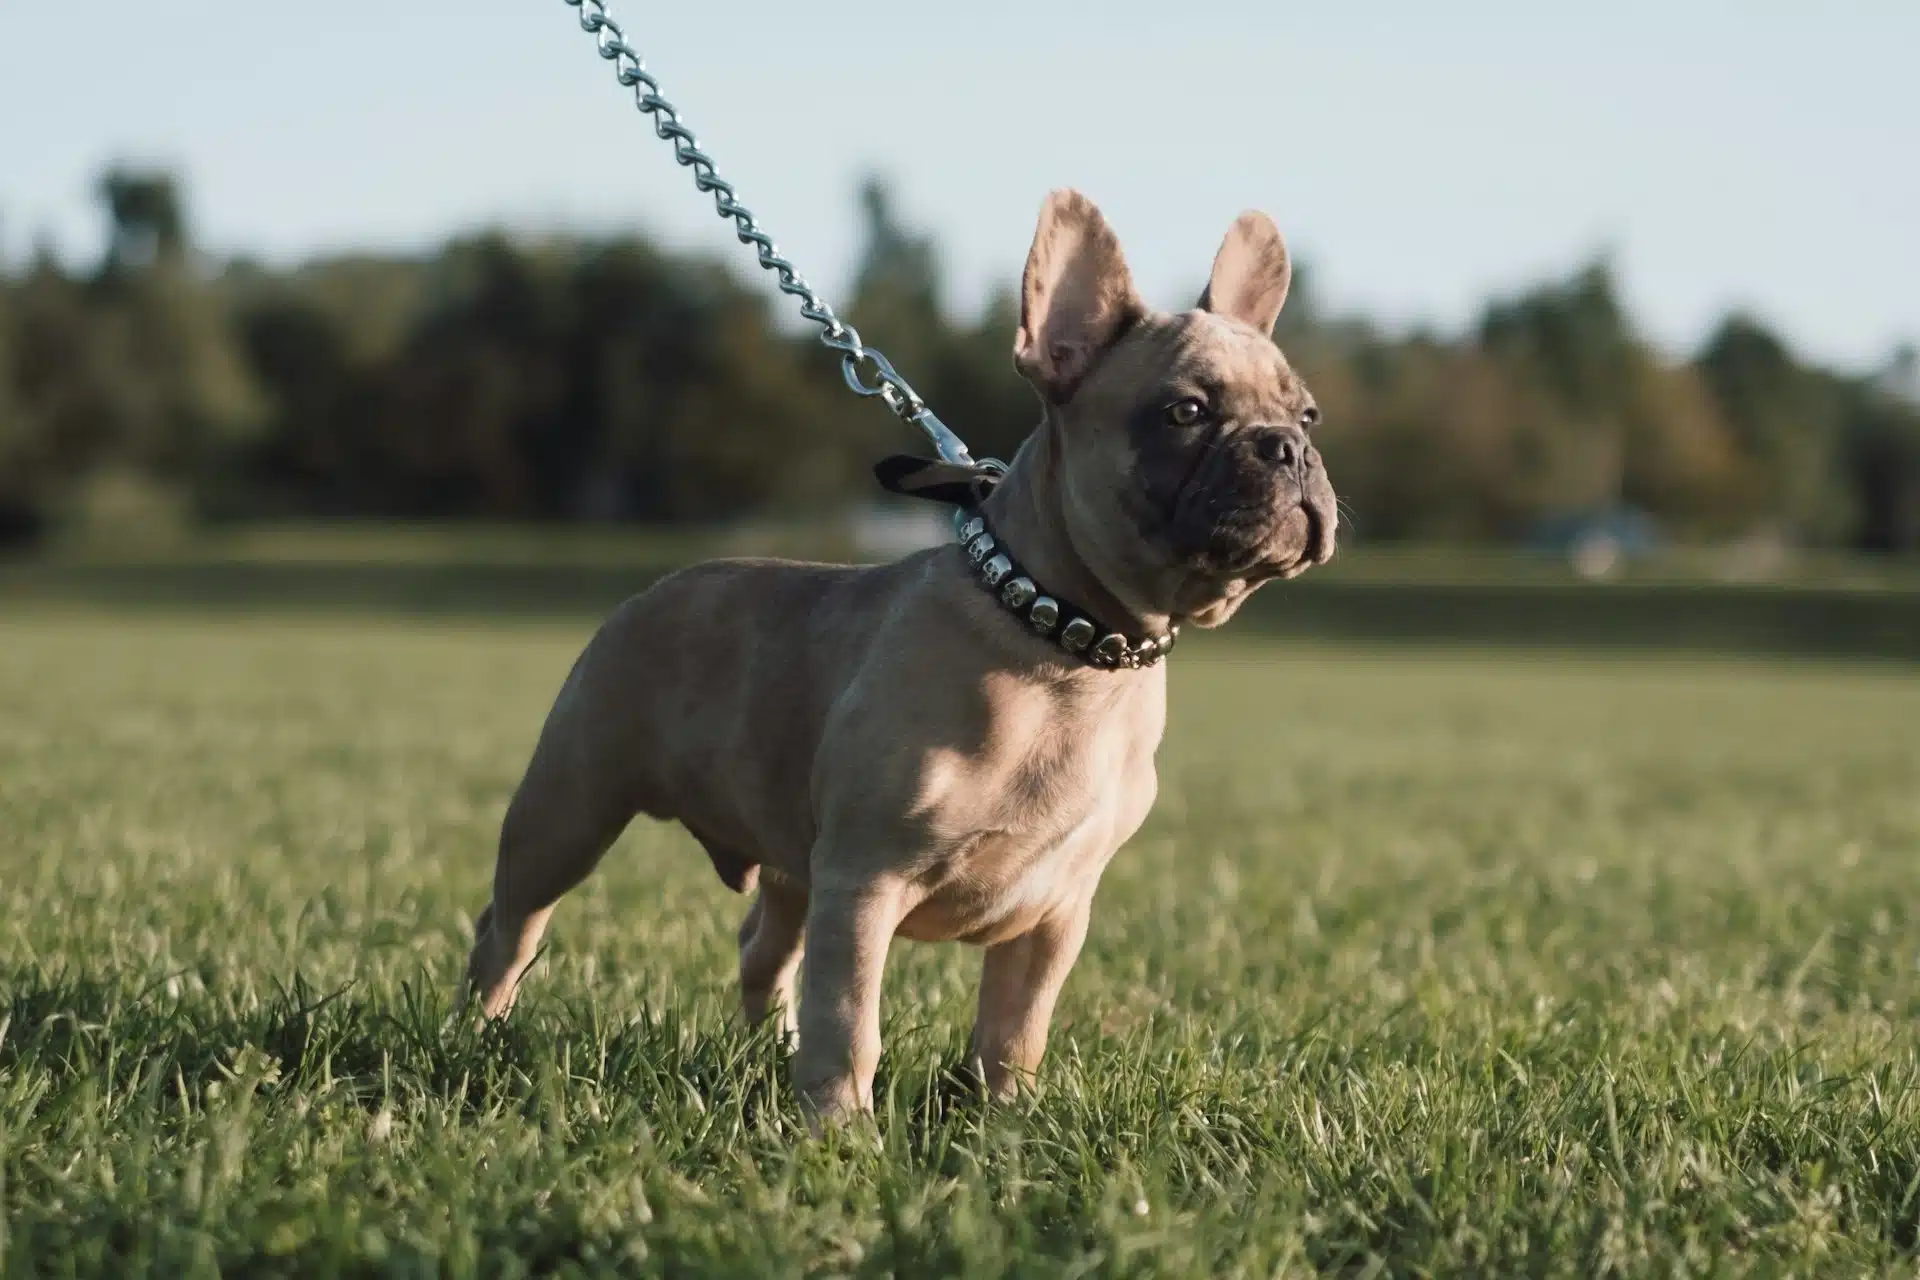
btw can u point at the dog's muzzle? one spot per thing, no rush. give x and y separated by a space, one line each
1262 501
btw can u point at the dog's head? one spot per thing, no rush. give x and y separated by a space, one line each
1186 473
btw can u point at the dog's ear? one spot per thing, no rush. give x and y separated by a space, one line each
1076 298
1250 273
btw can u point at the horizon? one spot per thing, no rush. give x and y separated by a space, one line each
1736 162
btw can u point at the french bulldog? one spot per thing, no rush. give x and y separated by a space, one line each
892 751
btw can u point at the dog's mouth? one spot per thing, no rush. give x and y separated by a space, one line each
1257 547
1257 537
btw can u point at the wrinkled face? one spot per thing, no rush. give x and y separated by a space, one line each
1187 473
1191 435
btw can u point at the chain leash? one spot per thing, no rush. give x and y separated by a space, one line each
867 372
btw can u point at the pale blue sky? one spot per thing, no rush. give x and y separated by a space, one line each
1421 157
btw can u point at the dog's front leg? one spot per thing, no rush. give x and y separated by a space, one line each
1019 983
849 927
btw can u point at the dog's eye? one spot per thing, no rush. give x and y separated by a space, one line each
1186 413
1311 418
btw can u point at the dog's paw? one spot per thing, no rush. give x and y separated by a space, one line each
836 1107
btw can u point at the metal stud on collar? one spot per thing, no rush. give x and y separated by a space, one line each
1108 650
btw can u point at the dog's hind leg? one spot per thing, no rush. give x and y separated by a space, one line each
770 946
569 809
539 861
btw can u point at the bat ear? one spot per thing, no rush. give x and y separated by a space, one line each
1251 273
1076 297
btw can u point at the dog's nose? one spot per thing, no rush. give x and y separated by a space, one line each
1283 448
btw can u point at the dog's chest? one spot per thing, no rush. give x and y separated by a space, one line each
1039 851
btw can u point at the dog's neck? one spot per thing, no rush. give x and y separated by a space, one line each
1027 516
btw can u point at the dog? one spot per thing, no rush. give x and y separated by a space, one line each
890 751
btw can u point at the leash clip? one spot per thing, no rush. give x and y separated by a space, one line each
948 445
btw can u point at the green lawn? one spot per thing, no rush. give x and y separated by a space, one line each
1426 963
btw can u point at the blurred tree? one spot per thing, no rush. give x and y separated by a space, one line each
708 411
21 436
316 455
146 225
1787 419
185 399
132 373
1883 454
897 265
68 398
1571 341
965 369
1650 437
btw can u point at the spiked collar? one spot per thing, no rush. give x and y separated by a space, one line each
1065 624
1059 621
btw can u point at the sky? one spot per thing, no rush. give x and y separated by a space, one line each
1421 158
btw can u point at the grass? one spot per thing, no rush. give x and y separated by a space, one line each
1426 963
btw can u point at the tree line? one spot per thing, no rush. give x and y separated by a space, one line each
609 379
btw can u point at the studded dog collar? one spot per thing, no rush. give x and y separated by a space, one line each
1051 618
963 487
